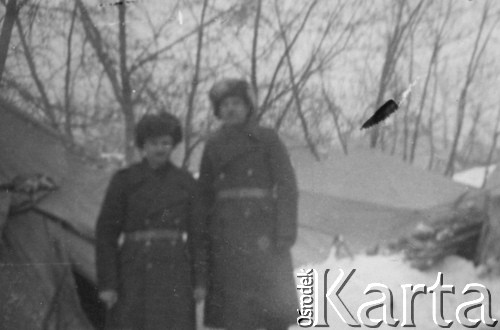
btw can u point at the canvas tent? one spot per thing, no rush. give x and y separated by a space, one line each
42 248
367 197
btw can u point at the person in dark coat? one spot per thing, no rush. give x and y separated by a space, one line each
249 185
149 237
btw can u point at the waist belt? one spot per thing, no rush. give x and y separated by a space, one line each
146 235
236 193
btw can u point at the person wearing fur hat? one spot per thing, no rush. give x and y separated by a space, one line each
150 255
248 184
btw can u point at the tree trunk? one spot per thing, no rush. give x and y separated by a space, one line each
406 128
471 139
12 10
95 39
450 165
395 44
295 94
253 75
333 109
281 117
395 136
432 146
432 63
126 90
266 103
188 127
67 81
472 68
418 119
46 104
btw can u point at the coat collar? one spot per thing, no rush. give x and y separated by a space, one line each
141 171
144 165
232 142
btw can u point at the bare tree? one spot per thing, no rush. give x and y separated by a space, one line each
470 142
472 67
11 13
67 79
436 47
194 85
270 90
295 90
46 104
407 105
291 90
126 90
253 74
395 44
334 110
432 146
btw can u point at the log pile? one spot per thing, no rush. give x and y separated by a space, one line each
455 234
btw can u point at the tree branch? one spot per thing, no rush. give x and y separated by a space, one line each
194 87
11 12
95 40
67 79
295 91
253 75
46 105
153 56
270 89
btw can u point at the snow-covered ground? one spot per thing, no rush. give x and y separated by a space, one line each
313 251
393 272
475 176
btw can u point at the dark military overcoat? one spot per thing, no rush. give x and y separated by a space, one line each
250 274
154 277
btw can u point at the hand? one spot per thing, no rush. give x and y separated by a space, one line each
108 297
199 293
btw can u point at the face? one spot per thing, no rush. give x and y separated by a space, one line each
157 150
233 110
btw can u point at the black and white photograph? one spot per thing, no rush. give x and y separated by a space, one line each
249 164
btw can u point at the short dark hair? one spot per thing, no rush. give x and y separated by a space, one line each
155 125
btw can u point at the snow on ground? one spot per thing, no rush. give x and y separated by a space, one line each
392 271
475 176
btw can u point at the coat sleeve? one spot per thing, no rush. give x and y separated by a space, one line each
285 185
108 229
